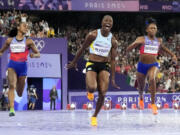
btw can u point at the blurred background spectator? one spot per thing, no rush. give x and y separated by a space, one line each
53 96
4 98
32 97
51 32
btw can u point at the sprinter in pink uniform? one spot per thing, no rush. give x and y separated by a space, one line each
17 67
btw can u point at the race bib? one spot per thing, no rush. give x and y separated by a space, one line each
102 50
153 49
17 48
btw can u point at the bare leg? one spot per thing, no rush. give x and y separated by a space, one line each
152 73
91 81
33 105
141 84
30 105
103 83
91 84
20 85
12 79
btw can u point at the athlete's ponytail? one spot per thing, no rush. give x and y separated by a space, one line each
150 21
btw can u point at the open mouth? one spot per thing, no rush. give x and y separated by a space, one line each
107 26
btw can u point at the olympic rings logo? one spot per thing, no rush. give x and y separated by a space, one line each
106 99
176 97
40 44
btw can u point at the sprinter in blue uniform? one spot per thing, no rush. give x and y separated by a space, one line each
17 68
148 67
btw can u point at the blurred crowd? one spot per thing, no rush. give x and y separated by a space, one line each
169 75
37 28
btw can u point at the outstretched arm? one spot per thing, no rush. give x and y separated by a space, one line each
36 53
89 39
136 43
166 50
113 56
5 46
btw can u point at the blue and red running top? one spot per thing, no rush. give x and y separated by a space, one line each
18 50
150 46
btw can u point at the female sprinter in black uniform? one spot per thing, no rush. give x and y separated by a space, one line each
148 65
17 68
102 46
